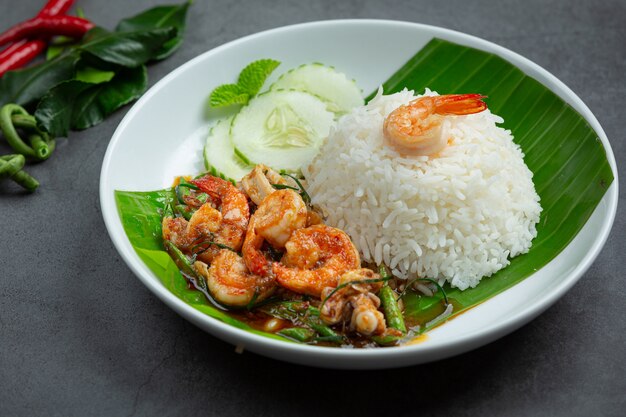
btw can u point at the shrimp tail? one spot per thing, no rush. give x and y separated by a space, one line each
213 186
460 104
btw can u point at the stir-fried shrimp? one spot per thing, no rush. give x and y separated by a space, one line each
259 183
232 204
220 222
230 282
277 217
174 229
206 221
417 128
356 302
315 258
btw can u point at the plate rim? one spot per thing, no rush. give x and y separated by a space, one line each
393 356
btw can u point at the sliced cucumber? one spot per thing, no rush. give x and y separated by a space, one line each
282 129
219 154
341 93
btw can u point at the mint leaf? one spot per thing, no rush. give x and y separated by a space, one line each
227 94
252 77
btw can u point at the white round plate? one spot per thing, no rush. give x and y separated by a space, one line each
163 134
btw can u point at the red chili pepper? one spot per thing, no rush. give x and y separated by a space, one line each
23 51
9 50
22 54
42 26
55 7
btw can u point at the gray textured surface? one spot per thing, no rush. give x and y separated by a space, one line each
79 335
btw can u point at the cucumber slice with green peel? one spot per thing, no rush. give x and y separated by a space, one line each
219 154
282 129
332 86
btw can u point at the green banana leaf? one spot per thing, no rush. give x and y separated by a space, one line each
569 163
571 174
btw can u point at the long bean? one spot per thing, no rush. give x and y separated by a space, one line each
13 116
301 334
312 319
393 314
183 263
387 339
184 210
11 167
295 311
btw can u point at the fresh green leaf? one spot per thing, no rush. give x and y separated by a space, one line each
55 111
77 105
57 45
93 75
127 86
159 17
252 77
228 94
25 86
127 49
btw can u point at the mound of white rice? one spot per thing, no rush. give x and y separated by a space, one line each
457 217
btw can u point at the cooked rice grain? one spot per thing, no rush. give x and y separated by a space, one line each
457 217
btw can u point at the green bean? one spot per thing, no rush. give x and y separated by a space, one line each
386 339
13 116
184 211
40 141
168 211
42 148
313 320
181 193
184 264
393 314
180 258
296 311
330 339
300 334
382 271
11 167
